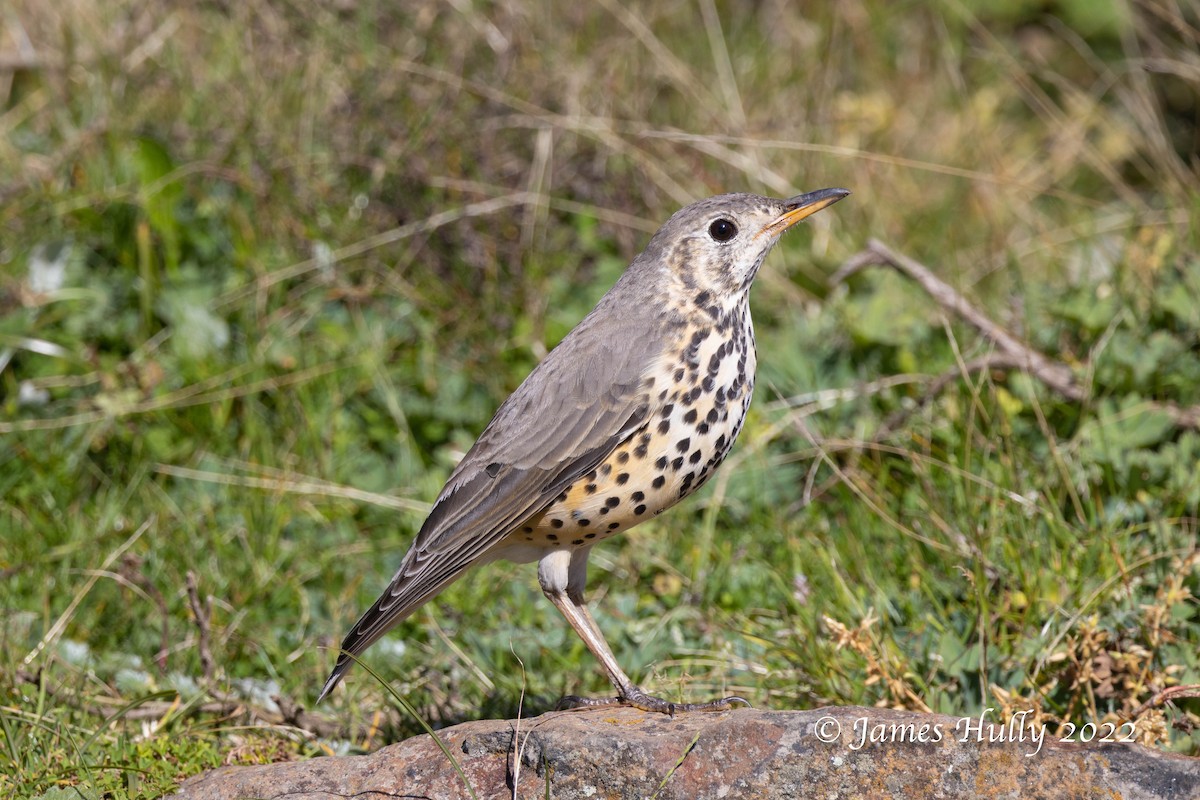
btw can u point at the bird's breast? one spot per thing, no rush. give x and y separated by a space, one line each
699 405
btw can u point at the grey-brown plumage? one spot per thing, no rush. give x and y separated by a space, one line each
633 411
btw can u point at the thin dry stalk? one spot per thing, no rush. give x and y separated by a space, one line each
202 613
1014 354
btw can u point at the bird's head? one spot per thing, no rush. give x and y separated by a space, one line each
717 245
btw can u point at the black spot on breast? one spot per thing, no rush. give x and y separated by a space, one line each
577 541
709 383
659 481
590 488
712 416
694 458
583 523
689 417
683 444
493 469
702 428
702 298
591 476
527 529
637 497
590 536
552 537
664 426
661 463
677 463
605 469
623 457
612 526
641 450
622 479
667 409
612 502
639 510
720 441
556 523
679 375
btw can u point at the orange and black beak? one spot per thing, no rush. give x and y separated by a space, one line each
800 207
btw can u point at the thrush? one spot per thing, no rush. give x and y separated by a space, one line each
632 412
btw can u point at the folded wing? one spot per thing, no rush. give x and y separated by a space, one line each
587 397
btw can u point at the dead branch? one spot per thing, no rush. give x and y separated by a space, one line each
131 570
1166 696
1018 355
203 614
1013 354
19 62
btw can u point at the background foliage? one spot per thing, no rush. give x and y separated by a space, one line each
268 267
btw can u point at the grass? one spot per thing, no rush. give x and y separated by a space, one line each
267 271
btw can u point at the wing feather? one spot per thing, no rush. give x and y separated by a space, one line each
588 396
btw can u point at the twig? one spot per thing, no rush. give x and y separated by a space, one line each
1013 353
203 613
1055 374
15 62
131 570
1165 696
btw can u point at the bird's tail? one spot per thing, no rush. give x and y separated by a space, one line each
398 602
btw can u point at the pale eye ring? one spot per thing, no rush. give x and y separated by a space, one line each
722 230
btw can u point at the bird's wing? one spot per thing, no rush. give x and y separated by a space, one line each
586 398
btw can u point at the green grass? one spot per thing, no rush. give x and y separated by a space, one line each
306 252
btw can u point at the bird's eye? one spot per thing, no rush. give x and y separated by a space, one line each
722 230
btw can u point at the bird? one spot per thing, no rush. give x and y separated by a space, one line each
632 412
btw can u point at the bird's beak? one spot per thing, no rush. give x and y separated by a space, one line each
801 207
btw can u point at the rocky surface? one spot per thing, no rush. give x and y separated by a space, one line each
624 753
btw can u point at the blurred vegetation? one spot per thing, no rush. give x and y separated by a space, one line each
267 268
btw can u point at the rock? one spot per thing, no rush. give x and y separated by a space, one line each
624 753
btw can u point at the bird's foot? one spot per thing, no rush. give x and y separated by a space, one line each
573 702
646 702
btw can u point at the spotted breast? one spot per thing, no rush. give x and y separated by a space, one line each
707 386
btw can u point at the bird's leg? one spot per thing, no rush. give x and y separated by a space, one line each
569 600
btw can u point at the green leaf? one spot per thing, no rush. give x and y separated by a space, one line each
198 332
892 314
159 195
1121 427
